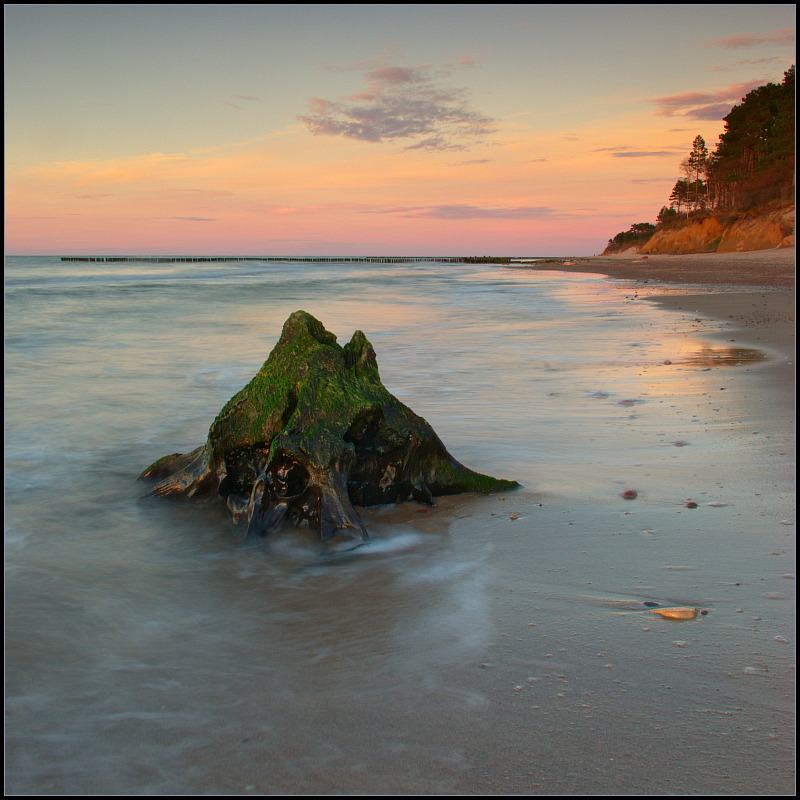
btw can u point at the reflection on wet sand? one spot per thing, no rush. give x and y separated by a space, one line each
722 356
490 644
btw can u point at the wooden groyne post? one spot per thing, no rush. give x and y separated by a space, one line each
300 259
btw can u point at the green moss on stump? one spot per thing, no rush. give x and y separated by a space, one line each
313 433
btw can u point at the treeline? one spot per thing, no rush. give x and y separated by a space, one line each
639 232
751 167
753 163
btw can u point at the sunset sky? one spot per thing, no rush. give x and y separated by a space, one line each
363 129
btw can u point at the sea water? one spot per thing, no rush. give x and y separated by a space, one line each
150 650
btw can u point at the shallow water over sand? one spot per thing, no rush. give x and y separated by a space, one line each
489 645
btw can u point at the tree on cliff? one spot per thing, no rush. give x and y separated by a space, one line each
692 192
753 163
638 233
751 166
680 196
696 171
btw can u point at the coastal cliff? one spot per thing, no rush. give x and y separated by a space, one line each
738 198
718 234
732 233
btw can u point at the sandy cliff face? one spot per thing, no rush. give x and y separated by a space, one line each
702 236
622 250
709 235
761 233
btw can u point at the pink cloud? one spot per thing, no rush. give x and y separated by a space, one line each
739 41
412 104
703 105
773 63
466 211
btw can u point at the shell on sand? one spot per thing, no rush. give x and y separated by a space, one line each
676 612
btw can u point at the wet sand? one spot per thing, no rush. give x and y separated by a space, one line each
752 293
489 645
580 691
772 268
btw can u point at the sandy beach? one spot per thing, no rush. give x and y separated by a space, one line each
753 291
772 268
650 740
501 644
578 691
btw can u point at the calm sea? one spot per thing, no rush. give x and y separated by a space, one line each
148 650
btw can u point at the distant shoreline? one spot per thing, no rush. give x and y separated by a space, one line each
752 292
298 259
769 268
758 268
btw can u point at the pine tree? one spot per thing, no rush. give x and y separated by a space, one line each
754 160
679 196
696 173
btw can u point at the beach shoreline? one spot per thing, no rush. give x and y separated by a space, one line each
753 293
732 301
488 644
774 269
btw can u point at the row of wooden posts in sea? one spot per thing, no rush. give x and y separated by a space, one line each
303 259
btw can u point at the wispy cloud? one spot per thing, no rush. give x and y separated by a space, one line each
743 40
465 211
471 162
625 151
241 97
642 153
772 63
399 103
712 105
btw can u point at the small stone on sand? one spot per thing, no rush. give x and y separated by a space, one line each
676 612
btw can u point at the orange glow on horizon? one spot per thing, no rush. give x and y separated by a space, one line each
490 131
297 191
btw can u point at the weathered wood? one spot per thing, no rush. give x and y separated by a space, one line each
297 259
314 433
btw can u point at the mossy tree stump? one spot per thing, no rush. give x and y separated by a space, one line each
314 433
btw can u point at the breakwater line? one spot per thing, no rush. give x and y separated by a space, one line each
300 259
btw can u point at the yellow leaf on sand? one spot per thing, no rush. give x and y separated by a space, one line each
677 612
